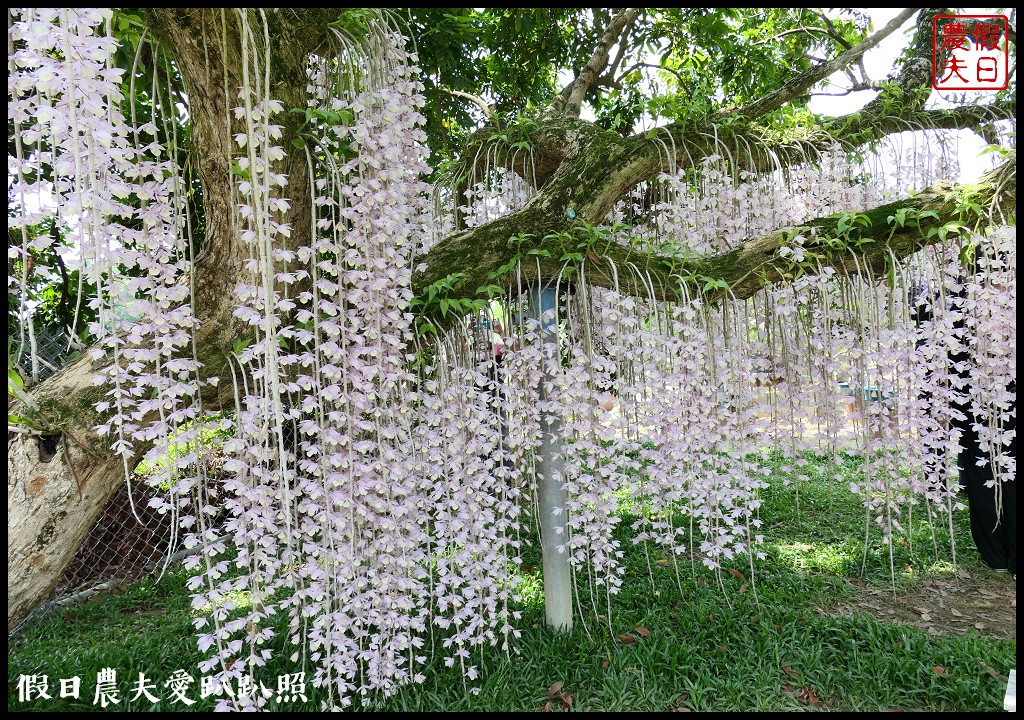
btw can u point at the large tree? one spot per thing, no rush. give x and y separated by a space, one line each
708 79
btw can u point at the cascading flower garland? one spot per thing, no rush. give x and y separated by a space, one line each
119 193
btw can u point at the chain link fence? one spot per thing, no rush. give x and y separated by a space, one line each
52 353
124 544
119 548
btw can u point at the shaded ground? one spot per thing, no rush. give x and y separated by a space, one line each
985 603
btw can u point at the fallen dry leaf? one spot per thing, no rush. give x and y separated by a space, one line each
643 632
555 689
790 671
991 671
711 618
855 581
939 670
955 613
743 588
736 573
980 625
627 639
723 649
803 695
547 707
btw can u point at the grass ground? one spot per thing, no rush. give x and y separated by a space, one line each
701 643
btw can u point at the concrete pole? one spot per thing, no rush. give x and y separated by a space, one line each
550 482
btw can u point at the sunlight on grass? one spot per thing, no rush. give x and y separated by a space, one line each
238 599
530 592
833 558
942 569
213 431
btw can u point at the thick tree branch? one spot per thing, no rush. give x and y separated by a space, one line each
757 263
568 101
857 128
752 265
799 85
911 83
476 100
686 144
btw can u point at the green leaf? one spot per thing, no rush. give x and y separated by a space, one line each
18 420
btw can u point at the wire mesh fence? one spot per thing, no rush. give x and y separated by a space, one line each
120 546
52 353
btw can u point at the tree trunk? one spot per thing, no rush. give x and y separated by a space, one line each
47 517
51 504
50 507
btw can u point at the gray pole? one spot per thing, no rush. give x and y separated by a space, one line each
550 485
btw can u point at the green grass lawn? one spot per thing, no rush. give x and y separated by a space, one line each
717 646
